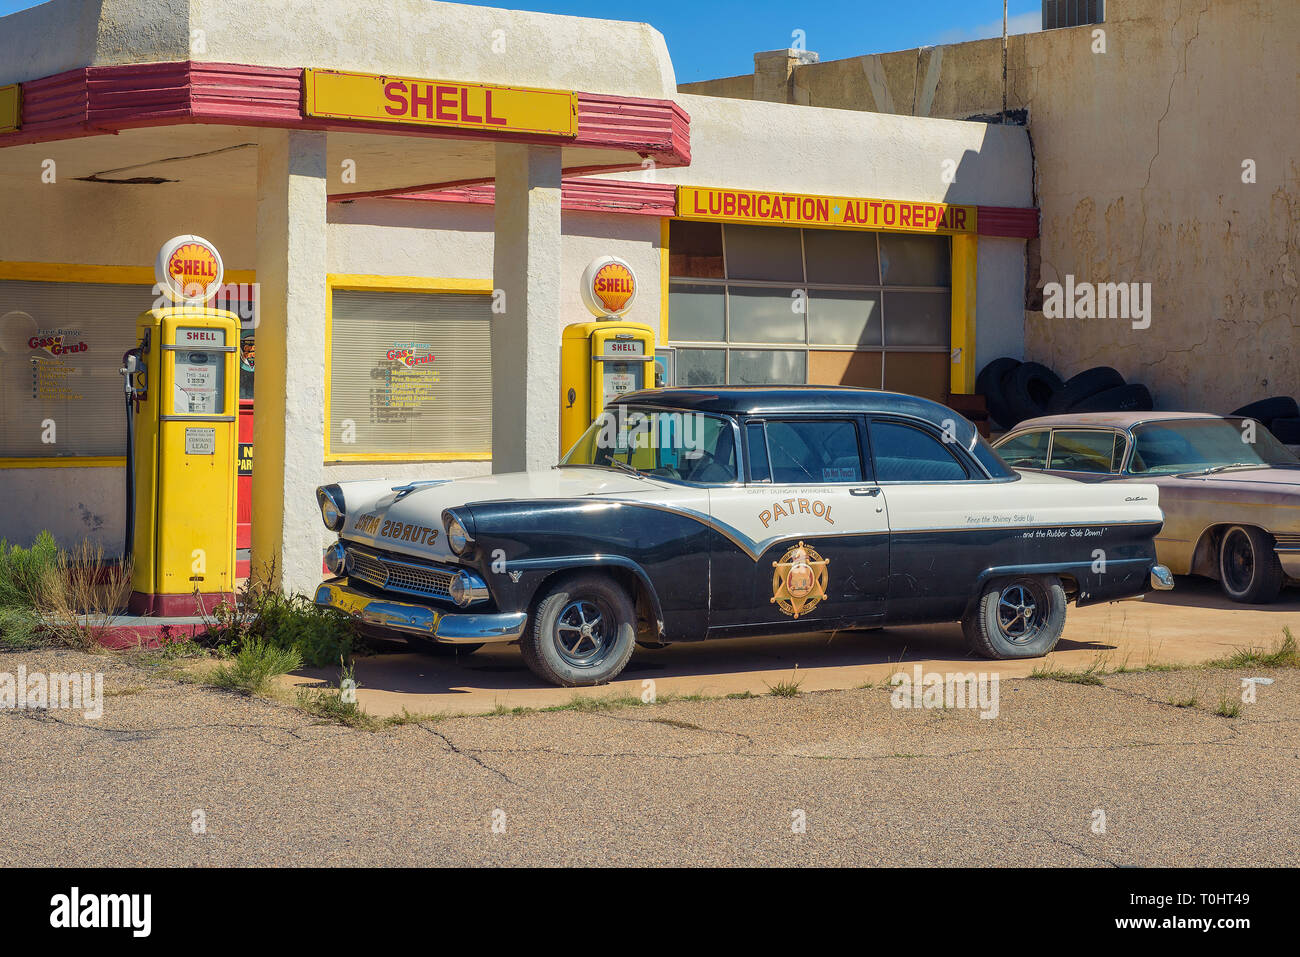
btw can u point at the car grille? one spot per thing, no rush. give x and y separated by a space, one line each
1289 542
409 576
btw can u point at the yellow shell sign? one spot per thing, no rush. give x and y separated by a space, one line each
189 269
613 286
374 98
608 286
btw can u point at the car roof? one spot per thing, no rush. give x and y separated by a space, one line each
777 399
1108 420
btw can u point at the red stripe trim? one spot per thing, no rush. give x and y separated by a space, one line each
576 192
1017 222
105 99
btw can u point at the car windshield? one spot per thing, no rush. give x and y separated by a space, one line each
683 446
1199 445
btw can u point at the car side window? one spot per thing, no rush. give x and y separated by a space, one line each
1027 451
814 451
904 453
1085 450
756 454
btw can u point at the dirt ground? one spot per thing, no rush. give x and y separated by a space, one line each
1141 769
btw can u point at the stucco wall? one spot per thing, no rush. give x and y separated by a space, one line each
106 225
1139 154
405 37
752 144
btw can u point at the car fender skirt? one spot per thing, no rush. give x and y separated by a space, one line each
1097 581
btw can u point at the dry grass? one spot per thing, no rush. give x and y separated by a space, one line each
80 592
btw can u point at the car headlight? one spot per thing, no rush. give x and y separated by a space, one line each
466 588
336 559
458 539
330 498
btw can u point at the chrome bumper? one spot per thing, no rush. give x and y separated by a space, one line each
422 620
1162 578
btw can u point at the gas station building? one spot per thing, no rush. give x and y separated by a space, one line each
405 196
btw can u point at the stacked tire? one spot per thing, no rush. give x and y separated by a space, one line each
1016 391
1280 415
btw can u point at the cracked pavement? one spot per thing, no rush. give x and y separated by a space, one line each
686 782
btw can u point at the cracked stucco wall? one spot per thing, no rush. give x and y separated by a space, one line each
1138 175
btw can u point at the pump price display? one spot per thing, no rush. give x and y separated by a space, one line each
619 379
199 375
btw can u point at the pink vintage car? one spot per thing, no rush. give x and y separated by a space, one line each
1229 490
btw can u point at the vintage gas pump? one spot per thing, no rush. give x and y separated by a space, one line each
602 359
183 387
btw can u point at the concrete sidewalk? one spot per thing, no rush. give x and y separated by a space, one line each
1190 624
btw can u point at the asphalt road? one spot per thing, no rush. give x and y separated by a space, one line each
709 782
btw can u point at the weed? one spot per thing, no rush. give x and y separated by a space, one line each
786 689
1284 654
1228 707
253 667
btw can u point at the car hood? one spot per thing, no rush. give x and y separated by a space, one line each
408 518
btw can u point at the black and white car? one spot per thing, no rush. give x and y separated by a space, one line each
684 514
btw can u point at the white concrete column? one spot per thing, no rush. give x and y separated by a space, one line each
289 396
526 332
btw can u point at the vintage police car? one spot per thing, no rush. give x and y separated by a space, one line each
684 514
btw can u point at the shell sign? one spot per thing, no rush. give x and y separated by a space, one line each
189 269
608 286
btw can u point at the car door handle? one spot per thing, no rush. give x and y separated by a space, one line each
874 490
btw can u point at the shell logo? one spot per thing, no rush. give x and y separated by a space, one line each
189 269
608 286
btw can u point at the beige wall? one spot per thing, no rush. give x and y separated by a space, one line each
1138 173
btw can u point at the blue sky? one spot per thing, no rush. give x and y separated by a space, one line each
712 38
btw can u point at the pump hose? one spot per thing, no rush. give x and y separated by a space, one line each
129 549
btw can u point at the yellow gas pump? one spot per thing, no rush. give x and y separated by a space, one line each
182 381
604 358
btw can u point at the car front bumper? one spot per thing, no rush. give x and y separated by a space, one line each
424 621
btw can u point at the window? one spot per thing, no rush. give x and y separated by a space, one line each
1027 451
805 452
903 453
410 374
61 345
1085 451
760 470
688 446
758 305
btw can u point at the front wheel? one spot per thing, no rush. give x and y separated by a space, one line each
1016 618
582 633
1249 569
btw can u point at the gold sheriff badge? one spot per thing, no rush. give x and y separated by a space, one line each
799 580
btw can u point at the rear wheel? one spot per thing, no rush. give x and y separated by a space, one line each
1016 618
1249 569
582 633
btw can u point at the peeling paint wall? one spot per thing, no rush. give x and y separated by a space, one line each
1138 173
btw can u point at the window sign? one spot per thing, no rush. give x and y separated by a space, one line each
410 374
61 345
200 375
